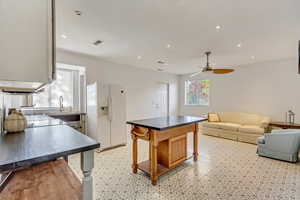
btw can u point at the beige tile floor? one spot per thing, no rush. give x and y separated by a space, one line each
225 170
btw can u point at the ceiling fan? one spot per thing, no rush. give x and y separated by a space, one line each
208 68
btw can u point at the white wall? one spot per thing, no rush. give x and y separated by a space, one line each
140 84
269 88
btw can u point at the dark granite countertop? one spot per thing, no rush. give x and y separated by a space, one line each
36 145
34 121
163 123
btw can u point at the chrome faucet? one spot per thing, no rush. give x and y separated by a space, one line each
61 103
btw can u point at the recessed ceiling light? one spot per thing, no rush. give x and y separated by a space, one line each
239 45
97 42
63 36
168 46
218 27
78 12
253 57
139 57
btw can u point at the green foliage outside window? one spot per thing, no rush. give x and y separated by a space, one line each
197 92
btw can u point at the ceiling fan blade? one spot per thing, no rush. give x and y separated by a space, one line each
195 74
222 71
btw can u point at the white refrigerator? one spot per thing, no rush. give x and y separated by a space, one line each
106 114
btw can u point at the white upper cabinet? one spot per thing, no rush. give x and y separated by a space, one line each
27 43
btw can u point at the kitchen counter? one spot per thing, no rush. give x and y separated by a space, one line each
76 120
41 144
49 111
46 143
34 121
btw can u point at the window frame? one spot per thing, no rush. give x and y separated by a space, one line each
77 71
185 92
74 87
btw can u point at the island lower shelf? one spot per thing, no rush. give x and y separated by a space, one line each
145 166
170 153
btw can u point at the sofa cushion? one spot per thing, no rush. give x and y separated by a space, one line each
229 126
213 117
231 117
222 125
210 124
243 118
251 129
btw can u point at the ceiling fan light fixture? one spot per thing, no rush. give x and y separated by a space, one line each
195 74
208 68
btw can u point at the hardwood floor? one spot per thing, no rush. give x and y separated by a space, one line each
48 181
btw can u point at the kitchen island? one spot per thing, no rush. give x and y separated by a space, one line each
47 143
167 138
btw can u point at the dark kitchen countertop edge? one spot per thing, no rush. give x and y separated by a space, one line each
165 128
28 162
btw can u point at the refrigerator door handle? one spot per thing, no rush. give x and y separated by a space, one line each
110 109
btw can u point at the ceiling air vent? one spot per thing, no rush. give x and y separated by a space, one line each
161 62
97 42
78 12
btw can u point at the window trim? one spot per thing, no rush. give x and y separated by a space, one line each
185 94
74 87
76 71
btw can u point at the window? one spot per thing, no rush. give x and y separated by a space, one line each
67 85
63 86
197 92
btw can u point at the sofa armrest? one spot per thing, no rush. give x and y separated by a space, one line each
286 142
265 122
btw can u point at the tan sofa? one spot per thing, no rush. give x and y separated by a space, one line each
244 127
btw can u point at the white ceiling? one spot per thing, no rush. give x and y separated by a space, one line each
267 29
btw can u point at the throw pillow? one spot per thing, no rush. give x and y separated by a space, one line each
213 117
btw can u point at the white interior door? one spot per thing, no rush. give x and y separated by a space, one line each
163 100
118 115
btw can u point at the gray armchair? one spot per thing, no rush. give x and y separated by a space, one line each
280 144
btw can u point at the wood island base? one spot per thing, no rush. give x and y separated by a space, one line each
167 148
